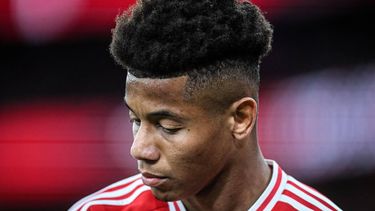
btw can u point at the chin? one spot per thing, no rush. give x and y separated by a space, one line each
165 195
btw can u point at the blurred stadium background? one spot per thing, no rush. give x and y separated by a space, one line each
64 131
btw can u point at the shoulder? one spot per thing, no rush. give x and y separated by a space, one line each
286 193
302 197
127 194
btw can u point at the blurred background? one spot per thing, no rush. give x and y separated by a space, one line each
64 130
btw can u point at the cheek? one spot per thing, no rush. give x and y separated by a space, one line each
198 149
195 160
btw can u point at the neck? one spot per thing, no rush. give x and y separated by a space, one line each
236 187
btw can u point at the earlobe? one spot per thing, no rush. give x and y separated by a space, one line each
244 113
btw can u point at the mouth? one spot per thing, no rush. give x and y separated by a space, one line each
153 180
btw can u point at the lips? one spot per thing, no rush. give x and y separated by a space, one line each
152 180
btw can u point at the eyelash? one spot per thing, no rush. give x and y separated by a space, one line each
166 130
169 131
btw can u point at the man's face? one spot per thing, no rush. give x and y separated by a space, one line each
180 146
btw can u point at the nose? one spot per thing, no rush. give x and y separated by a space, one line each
144 145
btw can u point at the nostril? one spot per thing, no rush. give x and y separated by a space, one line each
150 162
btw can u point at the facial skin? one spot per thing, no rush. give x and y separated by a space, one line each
183 150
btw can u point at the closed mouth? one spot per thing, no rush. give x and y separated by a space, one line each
153 180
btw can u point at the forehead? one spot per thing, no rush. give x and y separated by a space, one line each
168 88
145 95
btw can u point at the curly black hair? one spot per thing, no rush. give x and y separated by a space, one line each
168 38
165 37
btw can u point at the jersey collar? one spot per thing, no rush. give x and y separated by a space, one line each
274 189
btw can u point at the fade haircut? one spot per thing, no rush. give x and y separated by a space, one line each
218 44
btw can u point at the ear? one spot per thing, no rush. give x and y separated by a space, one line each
244 115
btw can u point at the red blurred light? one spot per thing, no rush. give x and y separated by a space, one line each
55 150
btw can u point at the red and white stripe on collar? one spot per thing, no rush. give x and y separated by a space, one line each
176 206
282 193
286 193
118 194
127 194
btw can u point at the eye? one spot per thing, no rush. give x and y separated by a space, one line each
135 125
135 121
169 129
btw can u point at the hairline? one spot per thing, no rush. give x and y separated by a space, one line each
201 91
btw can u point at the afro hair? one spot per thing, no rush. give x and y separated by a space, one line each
163 38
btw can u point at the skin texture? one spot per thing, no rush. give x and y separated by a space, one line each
211 162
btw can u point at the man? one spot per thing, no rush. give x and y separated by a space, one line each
192 93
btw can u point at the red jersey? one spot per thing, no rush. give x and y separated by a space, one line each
282 193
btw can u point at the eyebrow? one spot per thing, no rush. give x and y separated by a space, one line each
161 114
128 106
